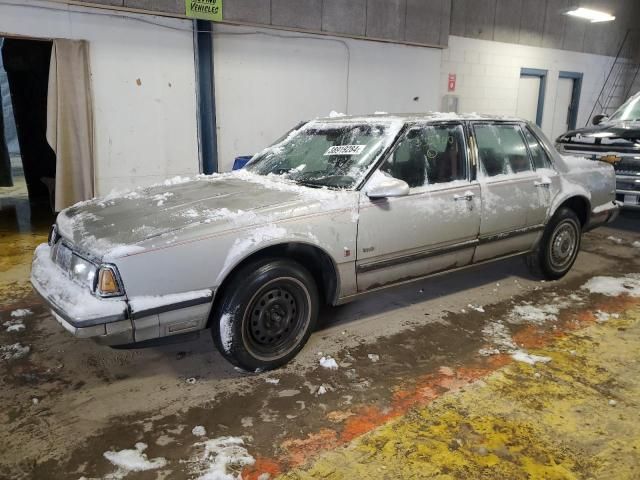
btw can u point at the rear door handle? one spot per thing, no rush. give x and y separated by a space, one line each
468 196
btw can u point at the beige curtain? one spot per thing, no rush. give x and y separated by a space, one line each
70 122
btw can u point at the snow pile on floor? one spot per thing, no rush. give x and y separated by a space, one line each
525 357
612 286
133 460
328 362
13 352
14 325
636 244
223 459
477 308
617 240
534 314
21 312
199 431
498 334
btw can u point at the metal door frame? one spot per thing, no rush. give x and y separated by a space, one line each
574 104
542 75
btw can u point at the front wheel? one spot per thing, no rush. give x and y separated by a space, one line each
267 314
559 246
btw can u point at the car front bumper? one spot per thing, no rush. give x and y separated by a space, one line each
628 190
115 321
75 308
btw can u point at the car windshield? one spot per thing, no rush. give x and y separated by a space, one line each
629 111
327 154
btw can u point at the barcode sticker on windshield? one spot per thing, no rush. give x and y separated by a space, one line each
345 150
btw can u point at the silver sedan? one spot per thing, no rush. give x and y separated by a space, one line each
339 208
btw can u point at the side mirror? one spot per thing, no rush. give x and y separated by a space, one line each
384 186
598 119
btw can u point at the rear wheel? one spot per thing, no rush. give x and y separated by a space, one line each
267 314
558 247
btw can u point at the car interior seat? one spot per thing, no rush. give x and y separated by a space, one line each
493 165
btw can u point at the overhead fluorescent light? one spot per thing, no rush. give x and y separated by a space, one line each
594 16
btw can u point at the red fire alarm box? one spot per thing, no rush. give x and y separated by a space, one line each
452 82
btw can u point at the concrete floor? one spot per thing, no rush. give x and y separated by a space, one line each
426 387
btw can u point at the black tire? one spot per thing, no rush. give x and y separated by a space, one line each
558 247
267 313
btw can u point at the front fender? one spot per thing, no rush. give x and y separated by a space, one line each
263 238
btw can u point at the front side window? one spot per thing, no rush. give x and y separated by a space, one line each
540 158
429 155
327 154
501 149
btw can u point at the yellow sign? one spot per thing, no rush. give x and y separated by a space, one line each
205 9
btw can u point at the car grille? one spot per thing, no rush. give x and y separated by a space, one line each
61 256
587 148
629 166
628 185
629 163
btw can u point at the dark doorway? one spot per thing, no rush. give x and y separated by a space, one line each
27 162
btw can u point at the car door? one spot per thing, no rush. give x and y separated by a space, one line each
433 228
548 180
512 215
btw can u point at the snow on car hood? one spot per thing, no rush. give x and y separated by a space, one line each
114 226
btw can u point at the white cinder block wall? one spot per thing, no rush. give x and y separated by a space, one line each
488 74
267 81
143 86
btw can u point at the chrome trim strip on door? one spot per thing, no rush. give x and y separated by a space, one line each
368 267
348 298
510 234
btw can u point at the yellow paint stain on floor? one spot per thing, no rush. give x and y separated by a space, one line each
575 417
15 263
22 228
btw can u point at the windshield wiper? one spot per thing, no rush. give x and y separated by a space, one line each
310 183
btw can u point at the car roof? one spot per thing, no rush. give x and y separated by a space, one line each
415 117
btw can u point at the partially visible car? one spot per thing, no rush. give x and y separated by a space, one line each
614 140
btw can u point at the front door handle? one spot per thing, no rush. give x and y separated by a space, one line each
543 183
468 196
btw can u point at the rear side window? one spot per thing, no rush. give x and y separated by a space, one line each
501 149
540 158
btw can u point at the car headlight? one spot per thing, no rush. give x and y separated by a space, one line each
109 284
82 271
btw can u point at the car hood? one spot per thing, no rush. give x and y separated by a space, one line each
619 132
114 226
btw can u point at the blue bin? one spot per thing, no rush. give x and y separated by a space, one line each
240 162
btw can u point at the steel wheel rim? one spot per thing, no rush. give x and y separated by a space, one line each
276 318
564 245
